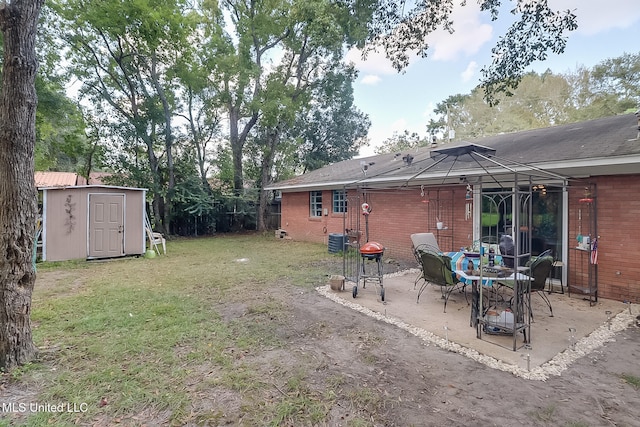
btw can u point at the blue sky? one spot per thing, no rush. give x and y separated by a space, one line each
398 101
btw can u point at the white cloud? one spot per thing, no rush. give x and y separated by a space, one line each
371 80
428 112
596 17
469 36
471 33
376 62
469 72
399 125
377 134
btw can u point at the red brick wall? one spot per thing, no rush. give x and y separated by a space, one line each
618 227
300 226
397 214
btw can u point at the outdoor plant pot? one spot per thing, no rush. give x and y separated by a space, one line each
336 282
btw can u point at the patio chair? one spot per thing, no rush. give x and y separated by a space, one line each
548 252
539 271
156 239
436 269
557 263
423 242
429 239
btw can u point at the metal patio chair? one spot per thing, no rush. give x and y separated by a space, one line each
423 242
539 271
436 269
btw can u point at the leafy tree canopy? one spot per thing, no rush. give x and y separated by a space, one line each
540 100
402 27
403 141
61 142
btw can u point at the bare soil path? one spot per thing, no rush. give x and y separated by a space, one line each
423 385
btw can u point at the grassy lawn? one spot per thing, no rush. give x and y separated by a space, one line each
145 336
229 331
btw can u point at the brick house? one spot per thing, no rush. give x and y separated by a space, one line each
582 179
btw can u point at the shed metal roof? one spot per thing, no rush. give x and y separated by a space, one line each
67 179
55 179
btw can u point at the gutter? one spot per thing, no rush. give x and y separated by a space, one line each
310 186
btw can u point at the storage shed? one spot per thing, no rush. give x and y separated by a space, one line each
92 221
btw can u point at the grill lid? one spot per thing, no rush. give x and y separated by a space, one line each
371 248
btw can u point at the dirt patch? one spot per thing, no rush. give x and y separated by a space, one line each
418 384
389 377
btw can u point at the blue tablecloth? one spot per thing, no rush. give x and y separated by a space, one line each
460 262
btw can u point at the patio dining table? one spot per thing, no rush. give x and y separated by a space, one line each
489 276
460 265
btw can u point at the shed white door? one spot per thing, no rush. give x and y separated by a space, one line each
106 225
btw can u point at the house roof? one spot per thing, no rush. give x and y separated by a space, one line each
604 146
95 178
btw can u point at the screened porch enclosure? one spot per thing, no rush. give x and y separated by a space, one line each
468 198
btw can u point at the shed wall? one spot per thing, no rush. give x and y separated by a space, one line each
65 225
65 215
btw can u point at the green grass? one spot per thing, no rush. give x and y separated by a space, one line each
632 380
546 414
138 332
300 399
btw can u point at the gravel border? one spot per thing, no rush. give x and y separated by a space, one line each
558 364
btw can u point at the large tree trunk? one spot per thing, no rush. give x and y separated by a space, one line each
168 143
199 142
263 201
273 139
18 197
236 149
237 141
156 184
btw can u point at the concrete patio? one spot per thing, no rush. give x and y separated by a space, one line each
550 349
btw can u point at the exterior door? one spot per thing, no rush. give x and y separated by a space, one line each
106 225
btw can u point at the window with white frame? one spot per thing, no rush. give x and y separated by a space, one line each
339 201
315 198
